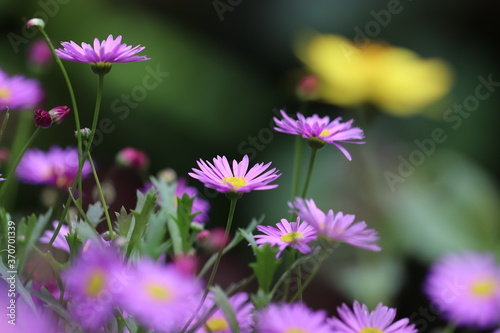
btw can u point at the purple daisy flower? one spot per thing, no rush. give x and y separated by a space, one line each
18 92
108 51
60 240
466 288
161 298
336 227
360 319
291 318
321 130
56 167
222 178
93 284
217 321
294 234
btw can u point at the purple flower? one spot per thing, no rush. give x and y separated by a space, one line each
160 297
132 158
1 179
60 240
239 179
466 288
336 227
108 51
57 167
320 131
94 283
39 53
291 318
59 113
18 92
217 321
42 118
294 234
360 319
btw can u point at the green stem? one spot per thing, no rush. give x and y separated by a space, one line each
296 170
322 256
309 171
75 110
101 196
13 166
232 208
4 123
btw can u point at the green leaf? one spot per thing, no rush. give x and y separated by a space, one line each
20 289
265 266
34 228
123 223
223 303
141 219
184 219
95 213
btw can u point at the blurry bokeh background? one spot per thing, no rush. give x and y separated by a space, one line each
223 71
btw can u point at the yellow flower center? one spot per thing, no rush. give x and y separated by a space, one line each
291 236
295 330
325 132
484 287
4 93
371 330
95 283
236 182
158 292
216 325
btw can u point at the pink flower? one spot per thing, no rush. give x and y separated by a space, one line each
221 177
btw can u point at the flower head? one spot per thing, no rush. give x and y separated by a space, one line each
336 227
360 319
221 177
59 113
60 240
57 167
294 234
42 118
132 158
93 285
108 52
161 297
18 92
39 53
395 79
35 22
218 322
466 288
320 131
291 318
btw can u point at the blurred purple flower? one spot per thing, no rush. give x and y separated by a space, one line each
18 92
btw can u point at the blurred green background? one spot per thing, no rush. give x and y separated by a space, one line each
225 78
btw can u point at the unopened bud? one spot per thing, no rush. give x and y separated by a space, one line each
85 133
59 113
42 118
168 175
36 22
132 158
308 87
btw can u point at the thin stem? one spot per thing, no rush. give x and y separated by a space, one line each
13 166
232 208
4 123
101 196
309 171
296 170
322 257
299 282
75 110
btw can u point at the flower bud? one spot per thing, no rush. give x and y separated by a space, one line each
168 175
308 88
36 22
39 54
42 118
85 133
132 158
59 113
212 240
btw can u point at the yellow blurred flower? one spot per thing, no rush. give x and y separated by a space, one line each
395 79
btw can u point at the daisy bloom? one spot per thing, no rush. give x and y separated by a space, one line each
336 227
18 92
238 179
466 288
161 298
320 131
60 240
360 319
294 234
217 321
93 284
57 167
291 318
101 54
